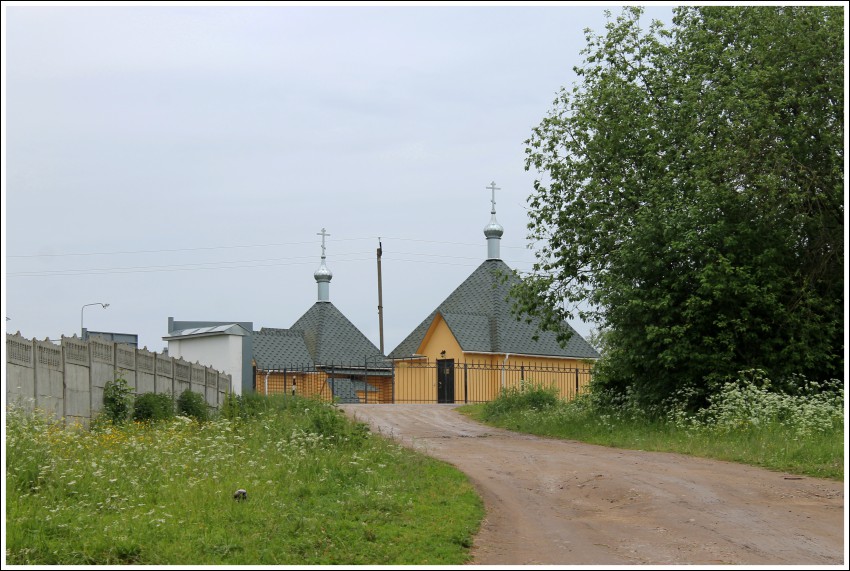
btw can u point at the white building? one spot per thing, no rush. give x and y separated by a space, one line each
225 346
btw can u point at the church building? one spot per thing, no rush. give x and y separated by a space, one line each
471 346
322 354
468 349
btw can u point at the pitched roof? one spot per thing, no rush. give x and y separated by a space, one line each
478 313
279 348
225 329
322 336
331 338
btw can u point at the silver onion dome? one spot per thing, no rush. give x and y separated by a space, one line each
493 229
323 274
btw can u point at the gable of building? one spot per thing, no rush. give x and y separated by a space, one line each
478 313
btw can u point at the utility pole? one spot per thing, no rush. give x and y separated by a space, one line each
380 300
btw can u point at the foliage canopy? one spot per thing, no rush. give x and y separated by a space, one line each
691 190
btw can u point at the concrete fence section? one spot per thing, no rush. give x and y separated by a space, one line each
67 380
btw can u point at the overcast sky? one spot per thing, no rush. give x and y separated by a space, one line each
180 160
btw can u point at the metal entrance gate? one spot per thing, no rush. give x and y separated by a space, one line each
413 382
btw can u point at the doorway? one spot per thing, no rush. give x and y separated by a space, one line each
445 381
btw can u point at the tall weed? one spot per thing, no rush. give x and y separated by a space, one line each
746 421
749 403
321 491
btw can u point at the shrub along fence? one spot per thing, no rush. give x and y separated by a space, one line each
67 380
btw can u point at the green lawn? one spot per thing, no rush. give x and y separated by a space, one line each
321 491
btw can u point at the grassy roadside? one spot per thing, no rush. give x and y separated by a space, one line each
321 491
795 444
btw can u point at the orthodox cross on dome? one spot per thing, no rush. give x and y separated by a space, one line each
323 275
493 188
493 231
323 233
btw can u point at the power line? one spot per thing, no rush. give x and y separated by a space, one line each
125 252
233 247
177 266
242 265
477 244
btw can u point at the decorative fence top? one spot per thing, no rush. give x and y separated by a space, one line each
32 352
48 355
67 380
76 352
125 356
164 366
182 370
101 351
18 351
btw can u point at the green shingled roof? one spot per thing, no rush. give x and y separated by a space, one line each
279 348
323 336
331 338
479 316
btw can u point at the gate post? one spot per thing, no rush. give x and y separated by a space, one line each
465 385
576 381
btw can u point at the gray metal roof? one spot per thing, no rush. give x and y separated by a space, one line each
479 316
228 329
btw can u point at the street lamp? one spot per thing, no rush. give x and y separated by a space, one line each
103 305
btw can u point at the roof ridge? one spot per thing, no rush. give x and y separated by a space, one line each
357 329
419 331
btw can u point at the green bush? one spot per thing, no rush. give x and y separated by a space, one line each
526 397
117 400
192 404
233 408
252 404
152 407
749 402
329 421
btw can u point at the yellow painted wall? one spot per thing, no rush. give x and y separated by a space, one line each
439 338
317 383
306 384
416 380
568 376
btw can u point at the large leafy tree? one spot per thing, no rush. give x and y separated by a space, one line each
690 198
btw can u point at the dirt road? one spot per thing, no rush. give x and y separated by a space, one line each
554 502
